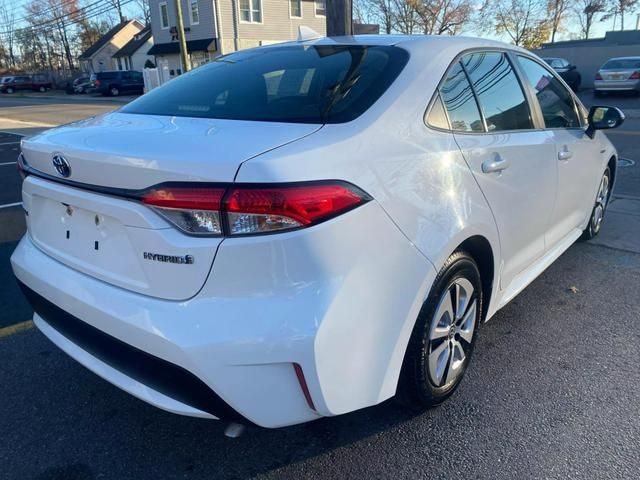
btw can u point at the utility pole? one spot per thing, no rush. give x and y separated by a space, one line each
184 55
339 17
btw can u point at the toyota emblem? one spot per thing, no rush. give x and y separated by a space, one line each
62 165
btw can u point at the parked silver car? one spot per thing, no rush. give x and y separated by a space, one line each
618 74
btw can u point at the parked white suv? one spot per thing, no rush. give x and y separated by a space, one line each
307 229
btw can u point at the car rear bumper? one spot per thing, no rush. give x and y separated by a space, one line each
616 85
229 352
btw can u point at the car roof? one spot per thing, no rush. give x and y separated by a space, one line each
413 41
632 57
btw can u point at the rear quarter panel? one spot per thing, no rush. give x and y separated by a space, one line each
417 175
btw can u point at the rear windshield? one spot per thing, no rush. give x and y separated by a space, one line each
622 64
301 84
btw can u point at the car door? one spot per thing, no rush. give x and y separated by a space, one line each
511 159
137 82
23 83
125 82
578 161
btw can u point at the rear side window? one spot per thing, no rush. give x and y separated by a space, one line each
437 116
556 102
499 93
302 84
460 102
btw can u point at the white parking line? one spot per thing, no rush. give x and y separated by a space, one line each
7 163
8 205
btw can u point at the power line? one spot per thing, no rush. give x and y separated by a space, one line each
86 13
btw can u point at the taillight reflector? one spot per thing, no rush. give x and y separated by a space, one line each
20 166
303 385
189 198
598 76
635 75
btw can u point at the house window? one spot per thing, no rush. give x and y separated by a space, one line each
295 8
164 16
251 11
321 8
195 12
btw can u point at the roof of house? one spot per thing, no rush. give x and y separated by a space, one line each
202 45
132 46
103 40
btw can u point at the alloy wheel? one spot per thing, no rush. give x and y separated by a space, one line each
451 333
601 203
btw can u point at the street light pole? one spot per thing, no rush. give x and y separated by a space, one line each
339 17
184 55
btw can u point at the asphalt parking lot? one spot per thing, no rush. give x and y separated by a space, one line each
553 392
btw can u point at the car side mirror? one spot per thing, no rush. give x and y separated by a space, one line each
602 118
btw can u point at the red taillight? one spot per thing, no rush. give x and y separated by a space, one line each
97 83
598 76
248 210
263 209
635 75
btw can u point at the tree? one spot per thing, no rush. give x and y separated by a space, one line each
407 20
90 31
524 22
382 11
620 7
144 11
557 10
8 21
443 16
55 18
117 5
588 10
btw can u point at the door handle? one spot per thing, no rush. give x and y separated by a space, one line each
496 165
565 154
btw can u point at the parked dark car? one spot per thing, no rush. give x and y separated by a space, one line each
24 82
81 84
77 85
117 82
567 71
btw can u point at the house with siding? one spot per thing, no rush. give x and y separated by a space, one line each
134 55
99 56
217 27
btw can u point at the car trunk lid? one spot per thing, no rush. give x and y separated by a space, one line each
131 151
119 240
618 74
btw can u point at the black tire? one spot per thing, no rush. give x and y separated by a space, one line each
599 208
114 91
417 389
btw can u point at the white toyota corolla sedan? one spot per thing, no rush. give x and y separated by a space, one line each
303 230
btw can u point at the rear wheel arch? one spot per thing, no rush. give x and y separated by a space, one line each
613 165
479 248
